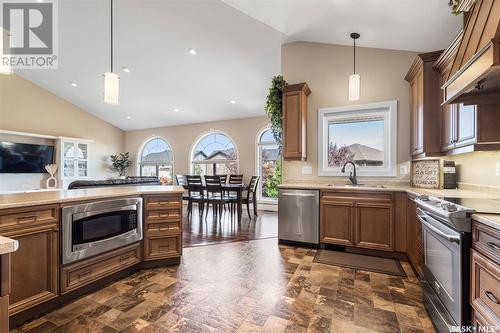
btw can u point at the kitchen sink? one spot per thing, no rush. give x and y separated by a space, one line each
365 185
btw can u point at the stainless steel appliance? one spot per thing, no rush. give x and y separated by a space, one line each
96 227
446 236
298 216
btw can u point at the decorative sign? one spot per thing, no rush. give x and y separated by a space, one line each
425 174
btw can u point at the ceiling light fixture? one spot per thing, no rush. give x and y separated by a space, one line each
192 51
73 84
4 68
354 79
232 101
111 80
126 69
176 110
129 117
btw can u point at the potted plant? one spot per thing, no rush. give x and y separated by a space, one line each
120 163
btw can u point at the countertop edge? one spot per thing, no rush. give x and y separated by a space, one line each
490 220
8 245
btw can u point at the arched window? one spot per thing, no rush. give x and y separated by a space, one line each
157 159
214 154
268 165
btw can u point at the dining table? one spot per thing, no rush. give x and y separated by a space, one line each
238 188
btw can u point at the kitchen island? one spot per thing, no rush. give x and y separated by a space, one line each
42 280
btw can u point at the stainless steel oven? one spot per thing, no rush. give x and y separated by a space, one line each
93 228
446 243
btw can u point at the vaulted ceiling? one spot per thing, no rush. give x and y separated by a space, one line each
237 44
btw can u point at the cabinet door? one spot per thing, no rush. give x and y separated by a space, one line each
374 226
292 125
34 267
417 114
448 127
337 222
465 125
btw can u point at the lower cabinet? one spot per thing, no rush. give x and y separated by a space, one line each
363 219
34 266
162 227
485 276
414 248
83 272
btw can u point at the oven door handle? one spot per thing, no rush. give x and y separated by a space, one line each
451 238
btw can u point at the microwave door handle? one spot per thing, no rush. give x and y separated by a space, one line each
451 238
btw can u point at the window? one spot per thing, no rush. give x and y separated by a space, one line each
214 154
268 166
157 160
363 134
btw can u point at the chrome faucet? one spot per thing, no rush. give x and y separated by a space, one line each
352 177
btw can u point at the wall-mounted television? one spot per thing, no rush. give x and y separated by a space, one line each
24 158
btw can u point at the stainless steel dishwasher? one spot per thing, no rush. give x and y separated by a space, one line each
298 216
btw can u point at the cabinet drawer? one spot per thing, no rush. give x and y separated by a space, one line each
485 283
82 273
162 247
21 217
162 228
163 202
486 240
357 195
163 215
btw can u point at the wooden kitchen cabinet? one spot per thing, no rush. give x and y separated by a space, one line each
295 121
414 248
425 106
162 227
35 265
360 219
4 292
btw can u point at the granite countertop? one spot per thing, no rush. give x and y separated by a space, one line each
8 245
488 219
43 198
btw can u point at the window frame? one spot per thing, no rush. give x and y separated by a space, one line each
389 110
212 162
140 164
258 164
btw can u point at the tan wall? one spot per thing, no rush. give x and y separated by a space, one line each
26 107
182 139
326 69
477 168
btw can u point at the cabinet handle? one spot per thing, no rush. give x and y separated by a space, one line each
493 246
163 203
24 219
84 274
492 297
124 258
163 215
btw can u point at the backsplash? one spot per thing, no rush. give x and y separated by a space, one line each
22 182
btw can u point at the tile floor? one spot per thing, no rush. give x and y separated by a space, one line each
253 286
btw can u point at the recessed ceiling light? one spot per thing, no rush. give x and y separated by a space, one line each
232 101
126 70
129 117
176 110
192 51
73 84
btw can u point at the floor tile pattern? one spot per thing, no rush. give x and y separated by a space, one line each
253 286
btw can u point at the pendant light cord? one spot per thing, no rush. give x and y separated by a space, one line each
354 39
111 36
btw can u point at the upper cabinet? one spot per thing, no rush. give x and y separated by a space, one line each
295 121
425 106
475 70
73 160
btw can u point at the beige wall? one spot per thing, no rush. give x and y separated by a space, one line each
182 139
326 69
477 168
26 107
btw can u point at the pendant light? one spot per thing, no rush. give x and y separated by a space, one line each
4 69
111 80
354 79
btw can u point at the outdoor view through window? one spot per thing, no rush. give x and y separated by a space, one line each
360 140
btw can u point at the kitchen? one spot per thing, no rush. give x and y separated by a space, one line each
388 210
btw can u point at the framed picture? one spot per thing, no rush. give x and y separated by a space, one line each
425 174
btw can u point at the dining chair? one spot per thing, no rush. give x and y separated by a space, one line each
251 197
195 194
181 181
223 179
216 195
235 179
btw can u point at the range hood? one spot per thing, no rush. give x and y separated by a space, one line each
474 77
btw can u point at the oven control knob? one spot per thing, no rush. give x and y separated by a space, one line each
449 207
423 197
